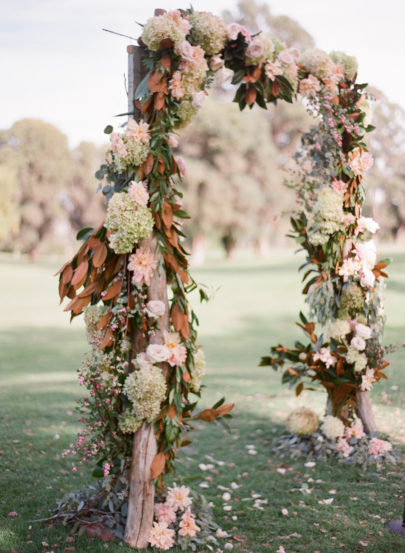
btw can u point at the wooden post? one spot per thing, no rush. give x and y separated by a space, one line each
365 411
142 492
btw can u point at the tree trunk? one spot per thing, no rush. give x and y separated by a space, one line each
142 492
365 412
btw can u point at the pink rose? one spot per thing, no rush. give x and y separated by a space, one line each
255 50
158 353
185 50
155 309
289 56
234 29
139 193
363 331
309 86
358 343
339 186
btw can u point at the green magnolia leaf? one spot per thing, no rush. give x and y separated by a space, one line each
84 233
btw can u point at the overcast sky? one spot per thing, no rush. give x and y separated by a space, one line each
57 65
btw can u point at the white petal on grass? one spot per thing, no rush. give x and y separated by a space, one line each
310 464
326 501
226 496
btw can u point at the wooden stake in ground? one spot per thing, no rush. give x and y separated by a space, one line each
142 492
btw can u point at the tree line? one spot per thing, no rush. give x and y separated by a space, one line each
237 166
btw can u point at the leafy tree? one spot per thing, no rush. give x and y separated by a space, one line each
39 154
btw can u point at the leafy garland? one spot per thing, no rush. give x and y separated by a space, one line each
109 277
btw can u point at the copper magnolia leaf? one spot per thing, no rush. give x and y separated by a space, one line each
113 290
62 268
186 376
299 389
148 165
208 415
172 411
166 62
159 102
105 319
225 409
250 95
88 290
80 274
108 339
100 255
80 304
154 79
67 274
158 465
167 215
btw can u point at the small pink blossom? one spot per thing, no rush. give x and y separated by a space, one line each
107 468
176 86
178 497
379 447
161 536
349 219
139 193
117 145
349 268
181 164
309 86
188 526
234 29
343 447
355 430
367 380
326 357
366 224
367 277
182 22
143 264
339 186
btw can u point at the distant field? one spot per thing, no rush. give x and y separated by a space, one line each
256 304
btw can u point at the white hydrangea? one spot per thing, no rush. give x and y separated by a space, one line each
146 388
332 427
349 63
330 205
208 31
162 27
199 370
339 328
317 62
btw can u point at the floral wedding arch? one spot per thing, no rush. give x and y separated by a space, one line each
145 366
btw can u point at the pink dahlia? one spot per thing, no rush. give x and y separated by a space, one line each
178 352
143 263
188 526
310 86
139 131
378 447
178 497
139 193
161 536
360 162
165 513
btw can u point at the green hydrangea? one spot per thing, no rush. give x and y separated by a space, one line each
185 113
159 28
129 422
128 222
351 300
208 31
92 316
146 388
349 63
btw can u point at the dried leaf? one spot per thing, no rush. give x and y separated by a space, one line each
167 214
67 274
113 290
80 274
100 255
250 95
158 465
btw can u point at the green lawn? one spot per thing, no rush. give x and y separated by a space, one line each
255 306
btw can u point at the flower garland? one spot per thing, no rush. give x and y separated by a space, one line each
110 276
